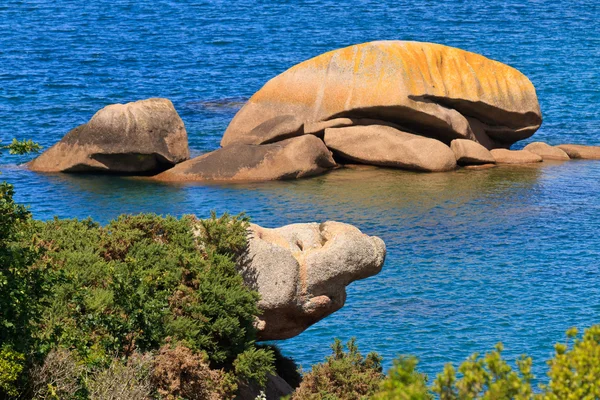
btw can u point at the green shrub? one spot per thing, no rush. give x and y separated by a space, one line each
141 279
345 375
404 382
575 372
126 288
11 366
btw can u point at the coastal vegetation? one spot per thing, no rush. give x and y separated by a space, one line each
152 307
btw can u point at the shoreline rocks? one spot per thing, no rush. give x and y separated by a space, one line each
546 151
468 152
301 272
142 137
408 105
504 156
387 146
578 151
292 158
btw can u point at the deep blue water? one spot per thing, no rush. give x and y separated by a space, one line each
509 254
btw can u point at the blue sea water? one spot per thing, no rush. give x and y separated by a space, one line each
474 257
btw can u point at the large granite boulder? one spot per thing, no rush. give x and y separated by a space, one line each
504 156
468 152
292 158
578 151
143 137
546 151
427 89
387 146
301 272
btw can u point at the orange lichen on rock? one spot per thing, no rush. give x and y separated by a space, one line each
429 89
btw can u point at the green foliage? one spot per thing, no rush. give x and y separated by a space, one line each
21 147
142 279
488 377
575 373
255 365
22 287
11 366
404 382
345 375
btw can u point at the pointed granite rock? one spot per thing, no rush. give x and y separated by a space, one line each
142 137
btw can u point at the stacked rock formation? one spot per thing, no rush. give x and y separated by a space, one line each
408 105
143 137
389 103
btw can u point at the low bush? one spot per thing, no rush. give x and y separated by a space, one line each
344 375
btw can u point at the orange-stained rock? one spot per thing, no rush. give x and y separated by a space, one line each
145 136
292 158
577 151
429 89
387 146
467 152
504 156
546 151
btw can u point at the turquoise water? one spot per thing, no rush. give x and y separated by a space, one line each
474 257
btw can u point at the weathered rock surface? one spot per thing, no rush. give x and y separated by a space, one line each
504 156
301 272
145 136
546 151
292 158
428 89
578 151
468 152
387 146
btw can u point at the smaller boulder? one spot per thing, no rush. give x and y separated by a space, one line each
504 156
468 152
292 158
301 272
546 151
142 137
390 147
578 151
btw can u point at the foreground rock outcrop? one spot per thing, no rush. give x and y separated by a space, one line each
291 158
301 272
428 89
142 137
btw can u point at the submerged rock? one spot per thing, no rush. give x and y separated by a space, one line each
578 151
291 158
468 152
387 146
546 151
142 137
301 272
428 89
504 156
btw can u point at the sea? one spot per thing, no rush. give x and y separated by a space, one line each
474 258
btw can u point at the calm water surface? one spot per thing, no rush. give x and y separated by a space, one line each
474 257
